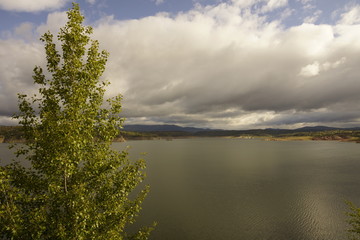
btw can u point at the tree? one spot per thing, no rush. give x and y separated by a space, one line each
77 186
354 221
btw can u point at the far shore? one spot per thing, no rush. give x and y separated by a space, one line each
15 134
297 138
264 138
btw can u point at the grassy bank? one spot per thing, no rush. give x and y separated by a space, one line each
10 134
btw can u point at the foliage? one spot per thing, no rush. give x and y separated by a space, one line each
354 221
137 135
77 187
12 133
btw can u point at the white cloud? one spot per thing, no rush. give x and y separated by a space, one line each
263 6
312 40
54 22
17 61
307 4
305 1
31 6
25 30
316 68
158 2
310 70
274 4
221 66
220 58
286 13
352 16
91 1
313 18
331 65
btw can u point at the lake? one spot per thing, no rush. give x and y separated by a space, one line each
224 189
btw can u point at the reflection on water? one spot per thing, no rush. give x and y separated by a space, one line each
207 189
249 189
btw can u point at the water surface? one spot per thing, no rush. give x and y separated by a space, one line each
225 189
249 189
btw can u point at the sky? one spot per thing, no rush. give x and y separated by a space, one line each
224 64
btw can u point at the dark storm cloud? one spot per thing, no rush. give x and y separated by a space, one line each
317 118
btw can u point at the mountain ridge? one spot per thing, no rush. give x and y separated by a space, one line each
177 128
162 128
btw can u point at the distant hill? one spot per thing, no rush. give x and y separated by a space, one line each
176 128
162 128
15 133
316 129
323 128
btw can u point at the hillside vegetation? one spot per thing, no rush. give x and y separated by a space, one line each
15 134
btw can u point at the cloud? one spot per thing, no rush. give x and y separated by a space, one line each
92 2
315 68
323 117
310 70
158 2
352 16
307 4
215 59
25 30
305 1
31 6
286 13
221 66
54 22
274 4
314 17
17 58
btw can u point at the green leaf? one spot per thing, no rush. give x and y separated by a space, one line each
77 186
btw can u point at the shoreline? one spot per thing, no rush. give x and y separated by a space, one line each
267 138
15 134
